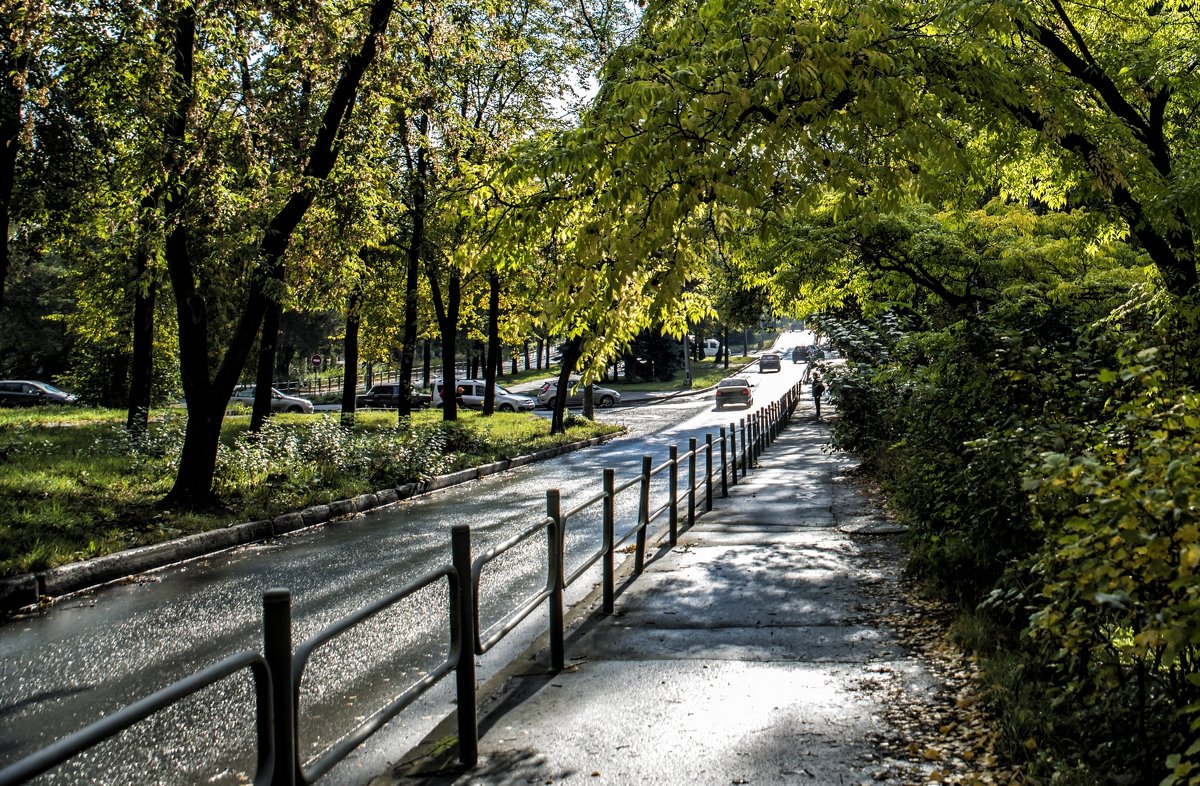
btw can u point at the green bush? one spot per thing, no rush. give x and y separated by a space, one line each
1046 456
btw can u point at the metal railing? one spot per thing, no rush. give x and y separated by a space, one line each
278 672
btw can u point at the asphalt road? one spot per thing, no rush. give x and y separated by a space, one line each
92 654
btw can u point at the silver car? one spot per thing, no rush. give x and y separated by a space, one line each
734 390
280 402
471 392
601 397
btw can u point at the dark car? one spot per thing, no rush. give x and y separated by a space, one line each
734 390
388 397
28 393
770 362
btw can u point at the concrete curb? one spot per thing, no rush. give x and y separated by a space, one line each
27 590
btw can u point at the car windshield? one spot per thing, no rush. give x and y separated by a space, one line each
733 382
502 391
51 389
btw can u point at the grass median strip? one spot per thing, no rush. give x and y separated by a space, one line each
75 484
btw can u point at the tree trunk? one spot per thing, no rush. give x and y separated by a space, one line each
570 357
12 94
447 317
416 242
725 346
350 348
207 396
492 362
145 291
540 343
264 374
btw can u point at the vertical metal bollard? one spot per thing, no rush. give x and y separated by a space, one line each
277 651
464 672
558 655
691 481
745 448
609 524
733 454
708 471
724 464
639 554
673 497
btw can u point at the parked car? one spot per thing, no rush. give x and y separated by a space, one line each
28 393
470 394
387 396
601 397
734 390
770 362
280 402
711 348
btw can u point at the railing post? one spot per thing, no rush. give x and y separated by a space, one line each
708 471
743 458
464 672
691 518
277 651
609 524
673 498
733 453
558 655
724 464
639 553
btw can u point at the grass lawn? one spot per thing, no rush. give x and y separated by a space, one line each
74 484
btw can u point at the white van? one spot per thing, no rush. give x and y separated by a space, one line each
712 348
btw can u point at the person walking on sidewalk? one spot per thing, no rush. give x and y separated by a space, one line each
818 390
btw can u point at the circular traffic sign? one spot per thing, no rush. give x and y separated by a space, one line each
316 361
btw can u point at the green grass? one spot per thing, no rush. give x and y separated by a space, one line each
74 485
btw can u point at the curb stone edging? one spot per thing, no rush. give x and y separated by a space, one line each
29 589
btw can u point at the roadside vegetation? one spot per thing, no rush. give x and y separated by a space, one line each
1046 457
76 484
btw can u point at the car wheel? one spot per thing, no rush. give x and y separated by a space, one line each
606 401
720 405
294 408
506 408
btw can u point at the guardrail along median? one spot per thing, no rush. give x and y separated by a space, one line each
709 466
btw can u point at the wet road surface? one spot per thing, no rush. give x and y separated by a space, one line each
96 652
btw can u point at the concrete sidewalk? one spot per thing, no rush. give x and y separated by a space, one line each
751 653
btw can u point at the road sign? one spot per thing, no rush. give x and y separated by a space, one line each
316 361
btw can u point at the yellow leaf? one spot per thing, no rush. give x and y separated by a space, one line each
932 754
1030 744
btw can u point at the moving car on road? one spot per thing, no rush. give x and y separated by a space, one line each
28 393
280 402
601 397
734 390
770 362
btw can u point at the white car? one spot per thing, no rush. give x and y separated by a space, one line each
601 397
471 393
280 402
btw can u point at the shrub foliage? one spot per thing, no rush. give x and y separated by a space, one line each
1046 456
